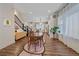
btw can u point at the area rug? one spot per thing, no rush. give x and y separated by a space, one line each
31 51
24 53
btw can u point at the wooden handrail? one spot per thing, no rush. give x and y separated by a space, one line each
19 22
18 19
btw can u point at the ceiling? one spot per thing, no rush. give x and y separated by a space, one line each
31 11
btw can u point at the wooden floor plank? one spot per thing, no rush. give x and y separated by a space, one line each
52 48
56 48
14 49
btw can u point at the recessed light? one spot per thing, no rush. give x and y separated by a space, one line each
30 12
15 13
49 11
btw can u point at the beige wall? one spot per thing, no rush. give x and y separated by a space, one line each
6 32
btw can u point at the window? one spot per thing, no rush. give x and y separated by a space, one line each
40 26
69 22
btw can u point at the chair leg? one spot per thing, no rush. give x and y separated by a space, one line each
28 46
42 54
35 47
40 43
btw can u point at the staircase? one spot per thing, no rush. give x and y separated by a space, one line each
19 23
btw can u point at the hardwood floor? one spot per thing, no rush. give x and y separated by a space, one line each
52 48
56 48
14 49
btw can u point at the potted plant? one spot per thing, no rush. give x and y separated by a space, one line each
55 30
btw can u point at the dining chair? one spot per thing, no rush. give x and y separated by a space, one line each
32 40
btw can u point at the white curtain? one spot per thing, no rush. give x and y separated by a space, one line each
69 22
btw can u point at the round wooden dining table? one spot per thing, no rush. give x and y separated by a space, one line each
36 49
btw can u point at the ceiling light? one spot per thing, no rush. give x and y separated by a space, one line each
49 11
30 12
15 13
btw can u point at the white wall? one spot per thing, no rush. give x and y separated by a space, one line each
68 36
6 32
19 15
52 21
70 42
